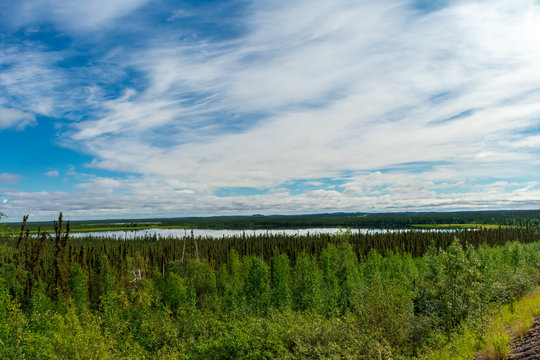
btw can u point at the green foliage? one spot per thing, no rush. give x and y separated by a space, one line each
231 282
101 280
458 275
257 287
281 277
330 264
58 287
387 312
306 289
201 279
75 340
175 293
78 288
377 296
12 325
3 229
498 346
312 336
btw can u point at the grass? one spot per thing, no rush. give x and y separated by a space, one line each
492 341
497 345
459 226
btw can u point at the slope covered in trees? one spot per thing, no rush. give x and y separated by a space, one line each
389 295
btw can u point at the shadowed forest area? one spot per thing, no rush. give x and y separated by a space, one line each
375 296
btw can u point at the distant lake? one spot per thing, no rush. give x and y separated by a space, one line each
130 234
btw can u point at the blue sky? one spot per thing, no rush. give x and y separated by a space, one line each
136 108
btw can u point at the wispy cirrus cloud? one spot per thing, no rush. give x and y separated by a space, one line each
401 106
28 82
362 95
74 15
15 118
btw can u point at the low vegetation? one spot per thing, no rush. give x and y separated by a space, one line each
491 338
458 226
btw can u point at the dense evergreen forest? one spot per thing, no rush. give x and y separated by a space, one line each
357 220
375 296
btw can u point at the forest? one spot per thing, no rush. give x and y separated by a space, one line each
353 220
390 295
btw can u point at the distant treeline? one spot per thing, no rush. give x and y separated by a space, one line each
160 250
355 220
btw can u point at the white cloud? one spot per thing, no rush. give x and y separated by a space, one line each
152 197
31 85
52 173
314 90
9 179
74 15
335 94
15 118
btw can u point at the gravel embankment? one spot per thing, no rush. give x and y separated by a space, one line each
528 347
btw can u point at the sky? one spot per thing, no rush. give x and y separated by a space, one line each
137 108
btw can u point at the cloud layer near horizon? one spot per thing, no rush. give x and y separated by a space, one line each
184 111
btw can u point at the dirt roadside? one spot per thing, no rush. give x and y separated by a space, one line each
528 347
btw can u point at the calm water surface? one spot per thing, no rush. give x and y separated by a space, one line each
130 234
